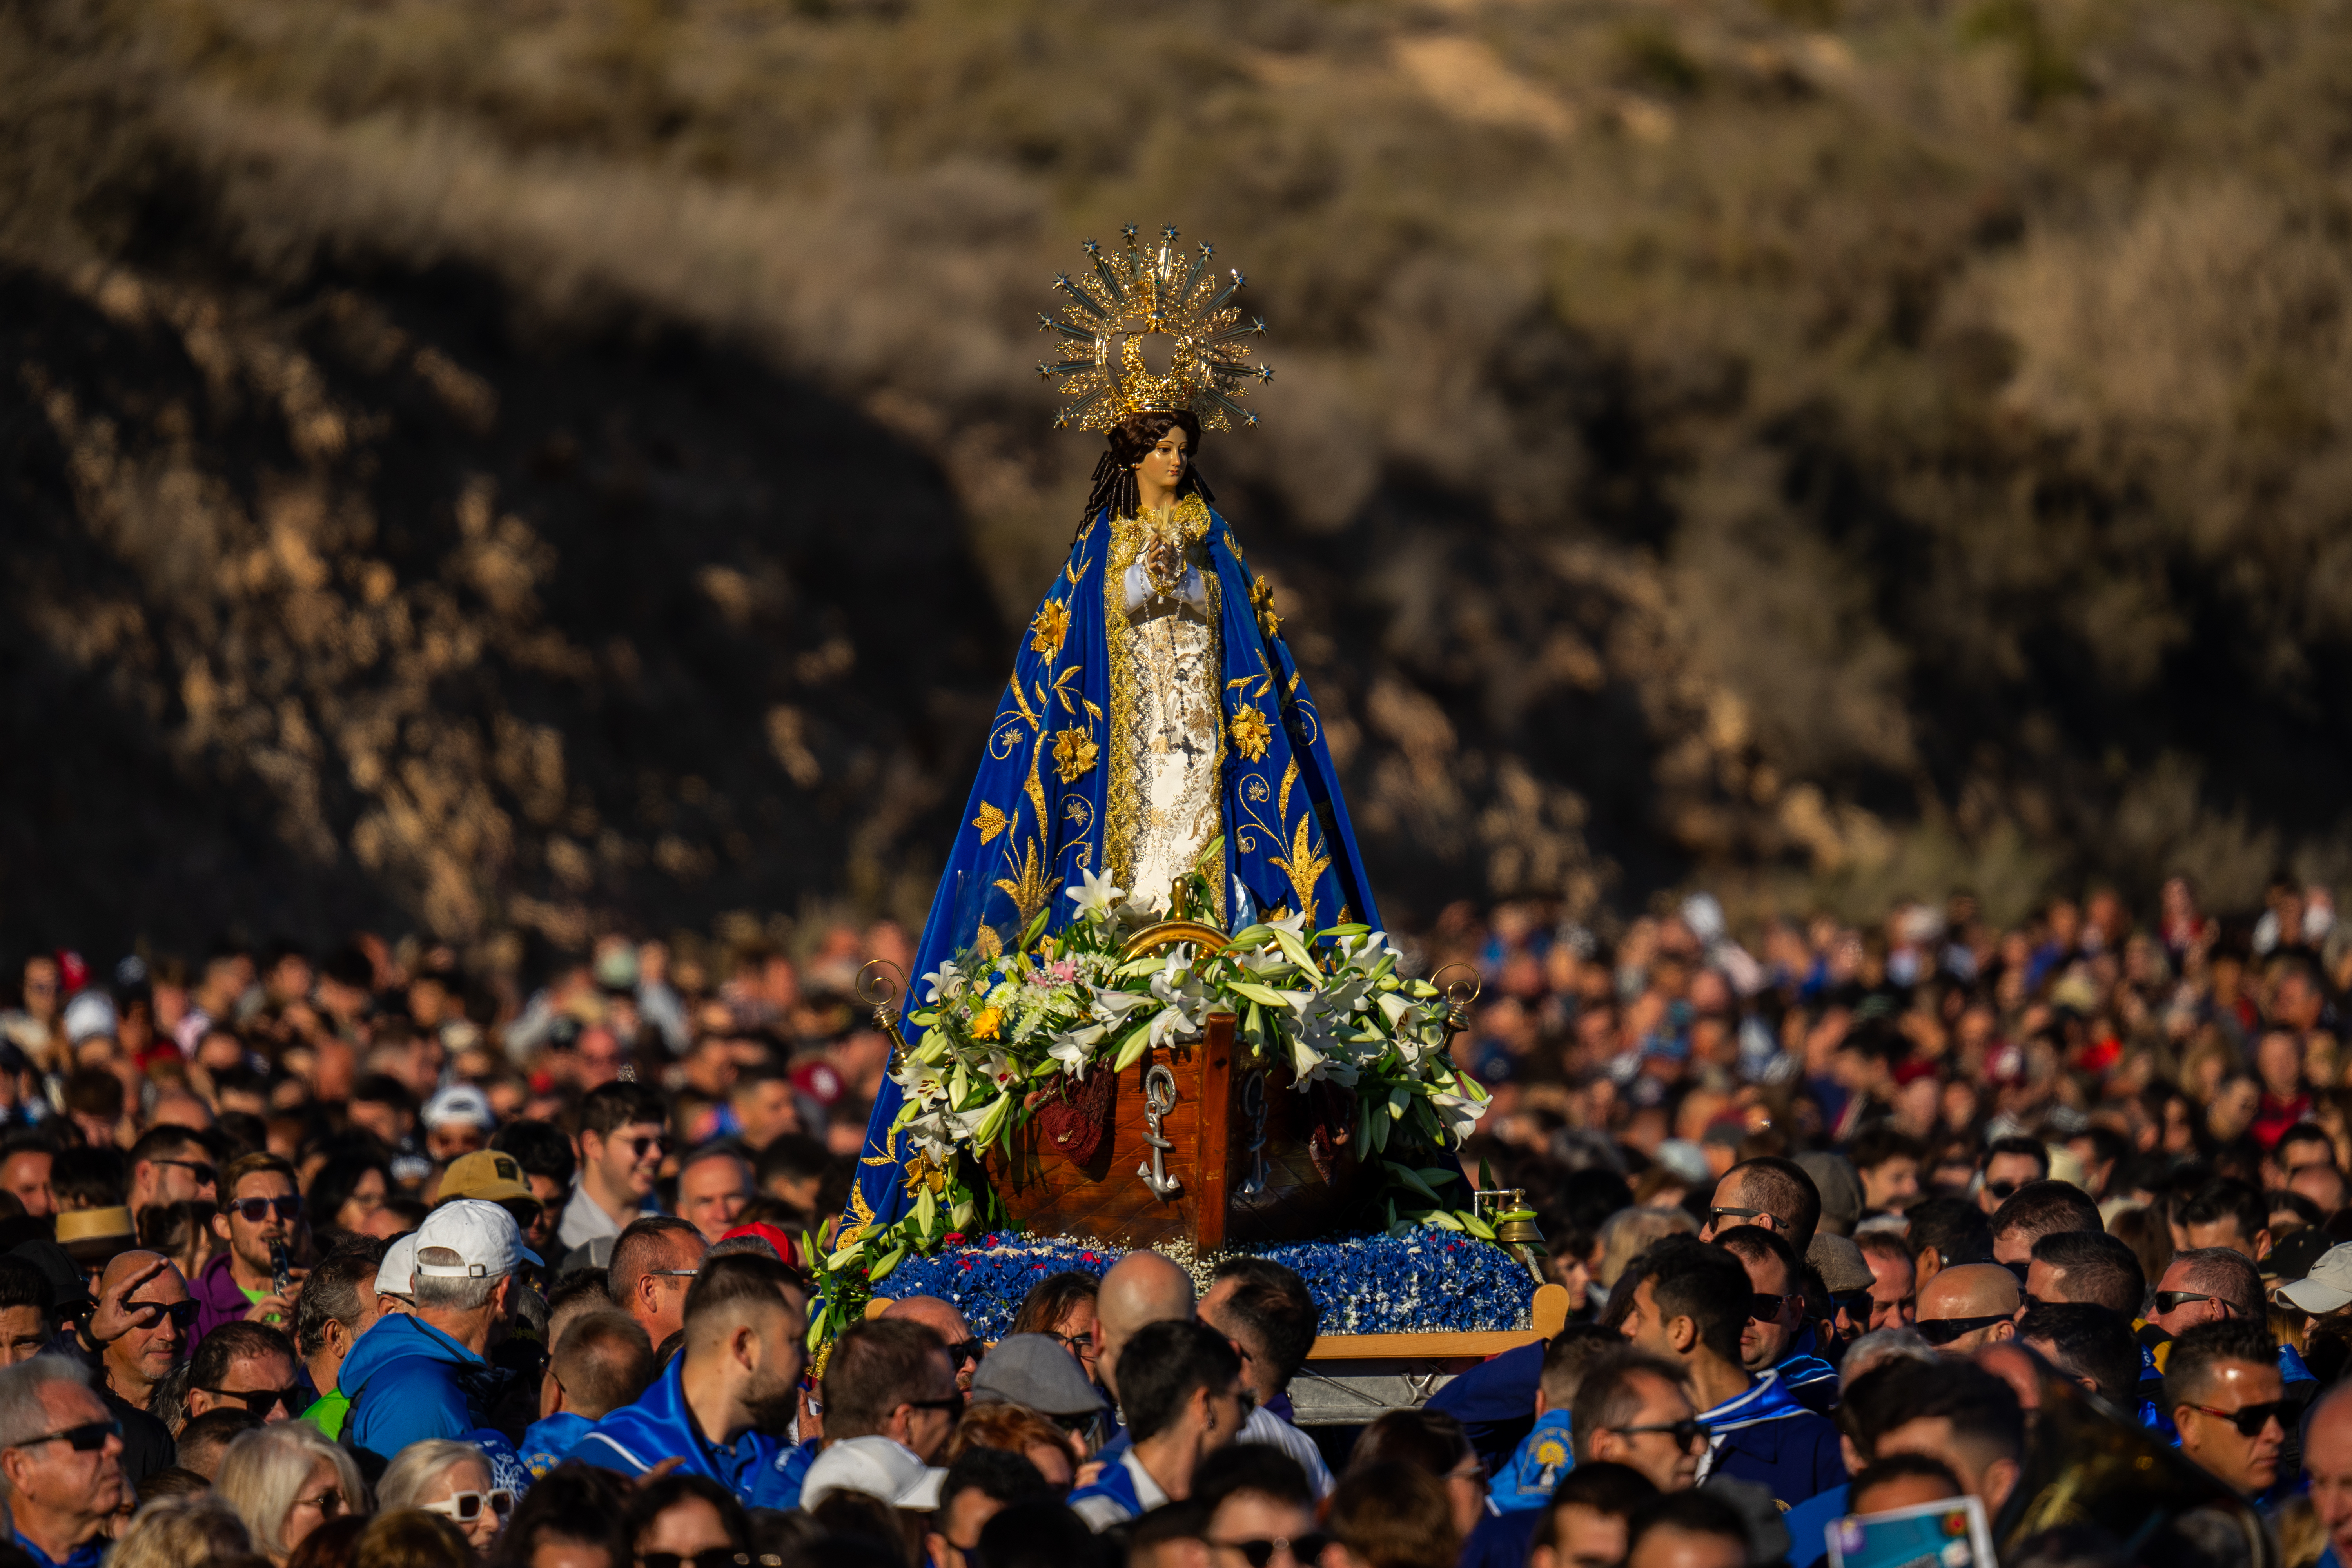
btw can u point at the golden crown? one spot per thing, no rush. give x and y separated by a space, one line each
1143 293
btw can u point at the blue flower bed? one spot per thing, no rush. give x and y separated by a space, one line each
1433 1281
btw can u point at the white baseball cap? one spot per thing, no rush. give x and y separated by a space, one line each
460 1102
483 1237
2328 1285
89 1017
878 1466
397 1276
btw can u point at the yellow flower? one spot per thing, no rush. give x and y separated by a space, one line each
1052 625
1251 732
986 1023
1262 598
1074 753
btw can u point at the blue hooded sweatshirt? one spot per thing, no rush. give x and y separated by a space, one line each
762 1471
1765 1435
544 1446
408 1382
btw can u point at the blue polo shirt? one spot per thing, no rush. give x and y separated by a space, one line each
635 1437
1765 1435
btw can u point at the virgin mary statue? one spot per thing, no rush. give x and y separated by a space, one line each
1155 731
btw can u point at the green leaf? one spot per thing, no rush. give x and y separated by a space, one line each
1485 1175
1475 1226
1250 937
1412 1178
1356 929
1434 1177
1440 1217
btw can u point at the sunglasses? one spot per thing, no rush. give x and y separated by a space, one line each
2173 1300
2019 1270
715 1557
253 1211
87 1438
1854 1304
1766 1308
637 1147
969 1350
1944 1330
2002 1189
1261 1551
2250 1419
466 1507
206 1175
953 1404
262 1401
182 1313
1685 1433
1717 1215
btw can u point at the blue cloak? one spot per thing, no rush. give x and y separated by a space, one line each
1040 810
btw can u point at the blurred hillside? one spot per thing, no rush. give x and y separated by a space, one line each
516 464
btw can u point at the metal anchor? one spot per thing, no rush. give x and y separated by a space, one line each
1254 1108
1159 1099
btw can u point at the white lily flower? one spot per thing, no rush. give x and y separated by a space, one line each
1074 1049
1459 1113
1097 897
945 983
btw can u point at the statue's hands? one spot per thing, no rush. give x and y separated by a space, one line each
1163 564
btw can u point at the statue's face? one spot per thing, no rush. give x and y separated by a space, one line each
1163 466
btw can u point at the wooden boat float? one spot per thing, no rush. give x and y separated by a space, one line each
1203 1144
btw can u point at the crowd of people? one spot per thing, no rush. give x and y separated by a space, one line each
359 1260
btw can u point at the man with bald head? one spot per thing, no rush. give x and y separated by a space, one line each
1142 1288
942 1319
138 1335
1968 1305
2327 1461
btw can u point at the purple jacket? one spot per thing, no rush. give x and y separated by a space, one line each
218 1299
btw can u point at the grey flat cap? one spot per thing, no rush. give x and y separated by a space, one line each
1839 1264
1034 1369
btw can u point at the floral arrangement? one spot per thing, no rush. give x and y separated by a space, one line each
1424 1281
999 1026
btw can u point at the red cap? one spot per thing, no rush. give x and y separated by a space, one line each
73 975
1915 1070
785 1247
820 1081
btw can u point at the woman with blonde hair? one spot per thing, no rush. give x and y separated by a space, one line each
451 1478
286 1479
174 1531
1629 1233
411 1539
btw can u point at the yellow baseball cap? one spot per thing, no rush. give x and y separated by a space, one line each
488 1175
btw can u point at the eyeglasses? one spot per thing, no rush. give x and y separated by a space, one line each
466 1507
637 1146
1685 1432
182 1313
261 1401
715 1557
329 1502
1944 1330
206 1175
1766 1308
676 1273
1717 1215
1854 1304
2173 1300
87 1438
2250 1419
1079 1344
2002 1190
253 1211
1260 1552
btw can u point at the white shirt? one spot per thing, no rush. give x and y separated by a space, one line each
1264 1426
585 1219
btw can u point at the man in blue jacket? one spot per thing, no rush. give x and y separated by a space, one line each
723 1405
1689 1308
414 1376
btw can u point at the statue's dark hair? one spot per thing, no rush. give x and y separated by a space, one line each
1114 485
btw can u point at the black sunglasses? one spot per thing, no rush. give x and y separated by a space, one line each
1766 1308
182 1313
1685 1432
2250 1419
253 1211
715 1557
953 1404
2004 1190
1740 1214
261 1401
2173 1300
87 1438
1854 1304
206 1175
639 1146
2020 1269
967 1350
1304 1549
1944 1330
